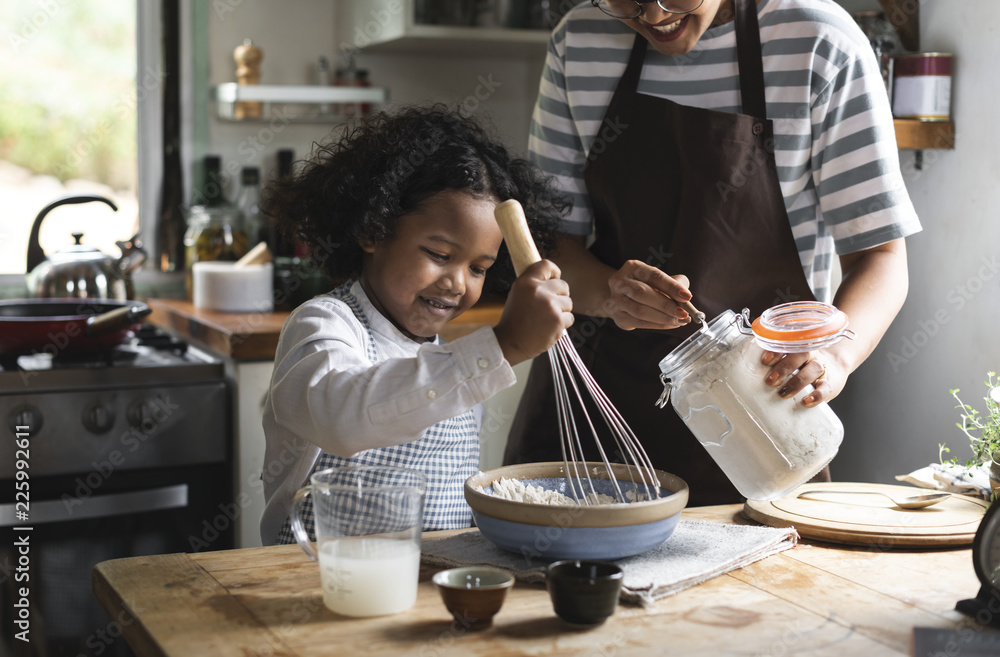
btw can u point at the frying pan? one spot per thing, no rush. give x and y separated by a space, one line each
66 326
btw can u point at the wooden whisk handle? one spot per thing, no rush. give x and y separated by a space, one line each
514 226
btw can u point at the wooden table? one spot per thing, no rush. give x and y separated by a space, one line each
815 599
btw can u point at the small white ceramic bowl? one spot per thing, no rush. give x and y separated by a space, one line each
224 287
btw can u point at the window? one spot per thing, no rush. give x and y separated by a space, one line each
70 92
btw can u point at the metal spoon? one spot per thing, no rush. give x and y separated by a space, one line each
696 314
909 502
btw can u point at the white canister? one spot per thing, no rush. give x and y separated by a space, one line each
921 86
224 287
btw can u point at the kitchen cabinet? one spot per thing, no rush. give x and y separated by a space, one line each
390 26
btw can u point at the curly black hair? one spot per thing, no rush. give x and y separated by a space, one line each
353 189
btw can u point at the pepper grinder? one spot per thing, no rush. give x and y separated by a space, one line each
248 58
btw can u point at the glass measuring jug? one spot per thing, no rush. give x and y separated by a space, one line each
368 523
765 444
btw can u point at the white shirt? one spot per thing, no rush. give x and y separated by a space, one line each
327 395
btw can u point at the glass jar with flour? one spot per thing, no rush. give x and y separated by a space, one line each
767 445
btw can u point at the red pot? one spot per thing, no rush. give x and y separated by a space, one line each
71 326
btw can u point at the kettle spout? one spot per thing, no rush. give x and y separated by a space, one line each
133 255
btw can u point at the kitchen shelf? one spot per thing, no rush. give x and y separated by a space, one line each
389 26
924 134
228 94
485 42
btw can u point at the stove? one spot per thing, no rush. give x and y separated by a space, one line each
78 410
130 454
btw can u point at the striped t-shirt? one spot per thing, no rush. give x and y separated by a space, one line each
835 145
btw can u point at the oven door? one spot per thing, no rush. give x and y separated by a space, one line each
158 511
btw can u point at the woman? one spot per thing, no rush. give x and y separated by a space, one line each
739 155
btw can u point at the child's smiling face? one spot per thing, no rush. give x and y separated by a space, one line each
433 269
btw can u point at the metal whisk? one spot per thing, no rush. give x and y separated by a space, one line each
572 379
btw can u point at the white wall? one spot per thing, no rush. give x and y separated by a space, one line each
293 35
896 408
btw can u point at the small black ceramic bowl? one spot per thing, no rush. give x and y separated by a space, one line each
584 592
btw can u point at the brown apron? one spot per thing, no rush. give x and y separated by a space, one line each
691 191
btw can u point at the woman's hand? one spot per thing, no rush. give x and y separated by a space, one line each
790 373
872 289
537 311
643 297
636 296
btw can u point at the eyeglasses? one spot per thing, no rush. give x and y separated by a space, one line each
634 8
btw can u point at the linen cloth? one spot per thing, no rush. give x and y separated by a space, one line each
951 478
346 382
696 552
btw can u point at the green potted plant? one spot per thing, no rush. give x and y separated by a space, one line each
982 430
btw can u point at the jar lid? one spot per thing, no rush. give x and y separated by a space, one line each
800 326
710 336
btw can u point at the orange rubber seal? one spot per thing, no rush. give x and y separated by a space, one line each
815 320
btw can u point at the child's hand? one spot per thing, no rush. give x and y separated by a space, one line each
538 308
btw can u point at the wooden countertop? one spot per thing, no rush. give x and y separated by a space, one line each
816 599
254 336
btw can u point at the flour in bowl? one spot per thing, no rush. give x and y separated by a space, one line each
516 490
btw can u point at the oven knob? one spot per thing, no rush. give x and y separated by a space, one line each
26 419
98 417
140 411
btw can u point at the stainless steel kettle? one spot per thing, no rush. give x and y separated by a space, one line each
80 271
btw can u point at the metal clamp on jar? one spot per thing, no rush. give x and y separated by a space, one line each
765 444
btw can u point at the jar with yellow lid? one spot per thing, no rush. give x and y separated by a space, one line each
765 444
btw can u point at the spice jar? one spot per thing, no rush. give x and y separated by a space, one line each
765 444
214 233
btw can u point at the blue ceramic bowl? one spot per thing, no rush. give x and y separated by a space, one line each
603 532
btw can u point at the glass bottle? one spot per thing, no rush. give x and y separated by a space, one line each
883 39
361 79
248 203
215 228
765 444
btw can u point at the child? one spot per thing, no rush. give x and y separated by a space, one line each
399 211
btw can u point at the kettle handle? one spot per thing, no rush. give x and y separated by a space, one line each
35 253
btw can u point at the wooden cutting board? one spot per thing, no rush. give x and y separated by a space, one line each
871 520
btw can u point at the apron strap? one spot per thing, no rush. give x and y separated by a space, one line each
629 81
751 58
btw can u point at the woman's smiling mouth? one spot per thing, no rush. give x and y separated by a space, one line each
667 32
